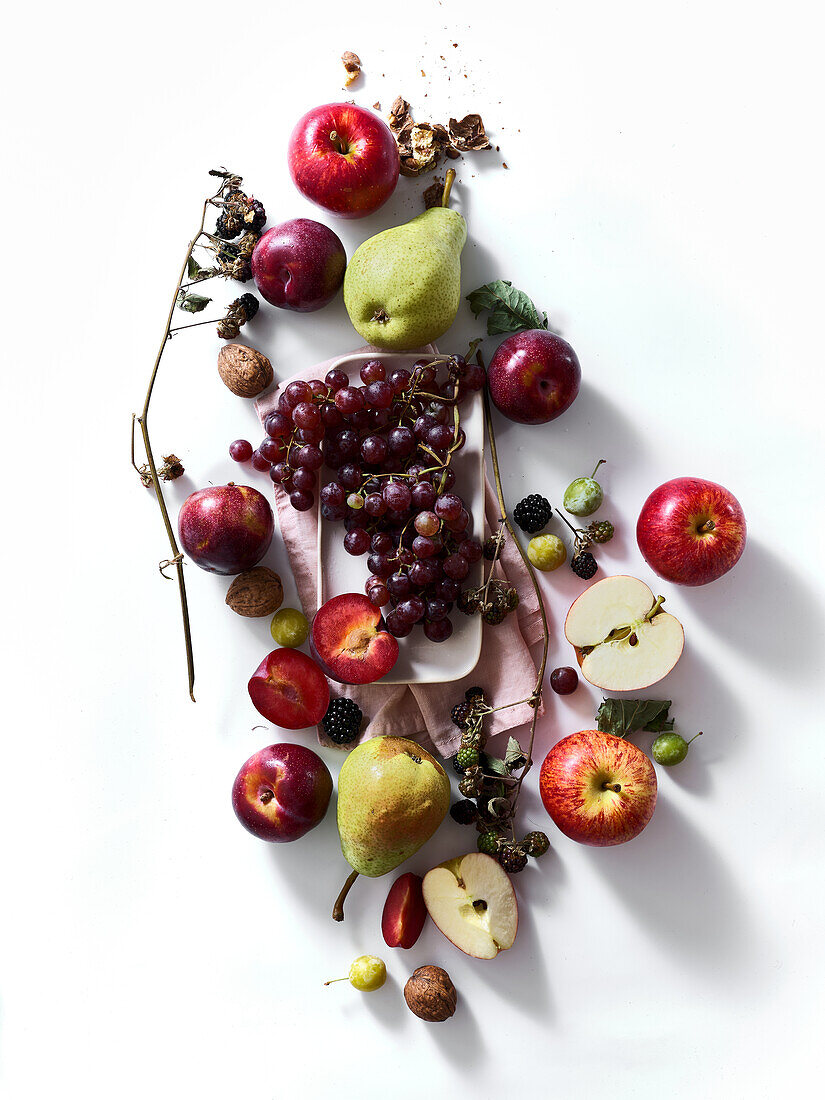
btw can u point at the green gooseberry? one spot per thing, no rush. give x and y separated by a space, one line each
584 496
671 748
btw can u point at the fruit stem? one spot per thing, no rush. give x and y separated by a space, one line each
598 464
616 787
566 520
346 979
338 908
448 186
657 607
337 141
699 734
706 527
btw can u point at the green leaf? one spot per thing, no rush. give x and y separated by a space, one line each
492 765
510 309
192 268
514 757
622 716
193 303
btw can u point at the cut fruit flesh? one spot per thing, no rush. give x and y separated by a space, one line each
606 605
625 666
472 902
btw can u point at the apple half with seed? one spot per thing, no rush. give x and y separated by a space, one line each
472 901
622 638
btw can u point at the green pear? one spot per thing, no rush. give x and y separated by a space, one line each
402 287
392 796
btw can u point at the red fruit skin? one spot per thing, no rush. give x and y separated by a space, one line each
299 265
571 785
670 532
349 642
289 689
404 912
352 183
226 528
282 792
534 376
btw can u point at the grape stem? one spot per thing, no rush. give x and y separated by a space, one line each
143 420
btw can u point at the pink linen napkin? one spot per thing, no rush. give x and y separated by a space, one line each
505 669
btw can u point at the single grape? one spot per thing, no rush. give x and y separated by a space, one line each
399 585
380 565
471 549
284 407
379 418
439 437
348 443
406 556
309 456
374 505
564 681
423 547
456 567
439 411
423 496
240 450
277 425
310 435
333 493
289 627
303 478
301 500
448 507
379 596
396 625
319 388
397 496
355 501
400 380
331 417
374 449
546 552
423 426
381 543
333 512
437 609
473 377
349 400
350 476
373 371
260 463
411 610
357 541
296 392
273 450
461 524
378 395
426 523
306 415
336 379
438 631
281 474
424 373
447 589
423 573
401 441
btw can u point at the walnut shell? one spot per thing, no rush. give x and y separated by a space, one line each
243 370
430 994
255 593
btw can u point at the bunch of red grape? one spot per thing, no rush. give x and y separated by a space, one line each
390 442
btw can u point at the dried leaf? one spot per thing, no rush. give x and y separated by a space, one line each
514 757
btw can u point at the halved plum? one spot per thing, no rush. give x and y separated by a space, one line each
289 689
349 641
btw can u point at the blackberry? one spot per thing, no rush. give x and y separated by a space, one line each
536 844
512 859
457 768
228 226
600 532
474 693
249 304
342 721
470 785
468 601
511 602
488 843
255 215
467 756
460 714
495 615
532 513
584 565
465 813
489 548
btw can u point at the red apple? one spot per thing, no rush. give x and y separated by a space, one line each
691 531
404 912
289 689
344 158
599 789
299 265
226 528
282 792
534 376
349 641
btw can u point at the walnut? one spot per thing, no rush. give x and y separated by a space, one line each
434 193
255 593
352 64
243 370
399 114
468 133
430 994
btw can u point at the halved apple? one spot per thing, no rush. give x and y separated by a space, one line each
622 638
472 901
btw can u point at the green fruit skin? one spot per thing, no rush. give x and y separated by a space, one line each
583 497
289 627
392 796
547 552
413 273
669 749
368 973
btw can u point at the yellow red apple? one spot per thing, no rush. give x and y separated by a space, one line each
598 789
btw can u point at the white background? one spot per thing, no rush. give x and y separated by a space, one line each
663 203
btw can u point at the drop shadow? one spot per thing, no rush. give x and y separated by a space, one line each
678 889
770 614
458 1035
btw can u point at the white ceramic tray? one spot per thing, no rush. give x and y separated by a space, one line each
420 661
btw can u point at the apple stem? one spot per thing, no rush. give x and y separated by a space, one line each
657 607
598 464
616 787
337 141
706 527
338 908
448 186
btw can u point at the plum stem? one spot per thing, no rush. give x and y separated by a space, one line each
699 734
598 464
338 907
448 186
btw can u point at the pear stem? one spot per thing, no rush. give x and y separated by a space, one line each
338 908
448 186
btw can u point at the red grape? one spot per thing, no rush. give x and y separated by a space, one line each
301 500
277 425
260 463
564 681
240 450
296 392
356 541
438 631
306 415
336 379
349 400
373 371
